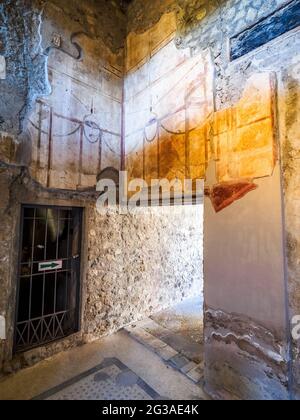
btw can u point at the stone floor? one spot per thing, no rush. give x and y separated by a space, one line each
176 336
184 319
145 361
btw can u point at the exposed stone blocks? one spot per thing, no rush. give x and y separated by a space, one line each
127 283
244 147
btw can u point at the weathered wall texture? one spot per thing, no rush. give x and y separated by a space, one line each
248 309
62 94
140 263
25 67
245 279
18 187
60 68
75 132
61 81
171 128
134 264
168 99
248 237
291 121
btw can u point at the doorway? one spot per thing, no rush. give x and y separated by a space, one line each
48 295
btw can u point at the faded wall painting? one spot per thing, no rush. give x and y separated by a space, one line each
168 99
172 129
76 131
165 102
243 144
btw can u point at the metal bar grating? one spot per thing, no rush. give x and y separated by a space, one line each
45 311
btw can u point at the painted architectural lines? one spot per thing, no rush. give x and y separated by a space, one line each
172 128
245 135
142 46
68 152
76 131
168 99
244 144
165 121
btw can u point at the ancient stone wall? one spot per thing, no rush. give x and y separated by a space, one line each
244 29
61 83
52 86
133 264
140 263
246 271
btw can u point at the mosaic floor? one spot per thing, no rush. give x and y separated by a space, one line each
155 360
111 380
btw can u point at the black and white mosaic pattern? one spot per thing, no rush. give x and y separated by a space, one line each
111 380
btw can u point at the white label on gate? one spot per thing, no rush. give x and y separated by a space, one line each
2 68
2 328
50 265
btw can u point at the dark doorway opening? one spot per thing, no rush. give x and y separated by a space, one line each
48 294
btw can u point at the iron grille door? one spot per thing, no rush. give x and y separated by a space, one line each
49 278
